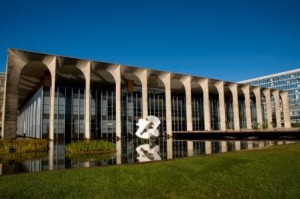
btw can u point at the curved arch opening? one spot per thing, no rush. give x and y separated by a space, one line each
253 108
197 107
242 109
69 114
32 110
228 108
103 103
178 102
156 100
132 109
214 107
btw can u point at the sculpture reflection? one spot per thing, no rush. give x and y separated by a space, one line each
147 153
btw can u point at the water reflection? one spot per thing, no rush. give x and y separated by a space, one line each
127 151
147 153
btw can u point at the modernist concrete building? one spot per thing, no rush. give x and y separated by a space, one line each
54 96
289 81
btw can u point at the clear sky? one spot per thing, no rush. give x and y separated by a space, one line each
229 40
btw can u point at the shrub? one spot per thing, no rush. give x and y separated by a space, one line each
26 145
91 146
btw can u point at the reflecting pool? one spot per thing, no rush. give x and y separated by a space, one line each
128 151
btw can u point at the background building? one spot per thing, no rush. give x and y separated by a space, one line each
289 81
48 96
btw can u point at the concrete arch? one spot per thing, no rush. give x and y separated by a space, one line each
276 115
268 120
16 62
156 101
214 106
102 99
101 76
229 122
253 110
29 82
258 103
286 108
233 87
180 95
245 107
29 105
72 88
155 82
72 71
197 105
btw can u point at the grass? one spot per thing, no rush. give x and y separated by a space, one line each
26 145
265 173
90 146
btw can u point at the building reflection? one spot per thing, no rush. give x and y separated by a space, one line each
132 151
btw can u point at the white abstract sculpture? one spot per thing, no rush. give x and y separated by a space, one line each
148 127
146 153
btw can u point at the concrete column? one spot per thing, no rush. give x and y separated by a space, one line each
235 105
119 152
118 101
188 96
169 148
250 144
223 146
190 146
277 108
208 150
267 94
237 145
260 144
52 67
86 164
257 94
246 91
206 103
115 71
51 155
286 109
166 79
220 87
142 74
271 143
144 80
87 117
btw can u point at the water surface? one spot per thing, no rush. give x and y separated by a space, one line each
128 151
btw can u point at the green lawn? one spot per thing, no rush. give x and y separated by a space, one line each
265 173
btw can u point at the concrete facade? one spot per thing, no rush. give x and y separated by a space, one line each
54 71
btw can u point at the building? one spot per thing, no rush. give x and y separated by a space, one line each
2 81
49 96
289 81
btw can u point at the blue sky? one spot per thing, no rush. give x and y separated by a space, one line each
230 40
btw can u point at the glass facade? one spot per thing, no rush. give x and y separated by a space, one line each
289 81
69 115
131 111
214 112
198 113
178 113
103 121
157 107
